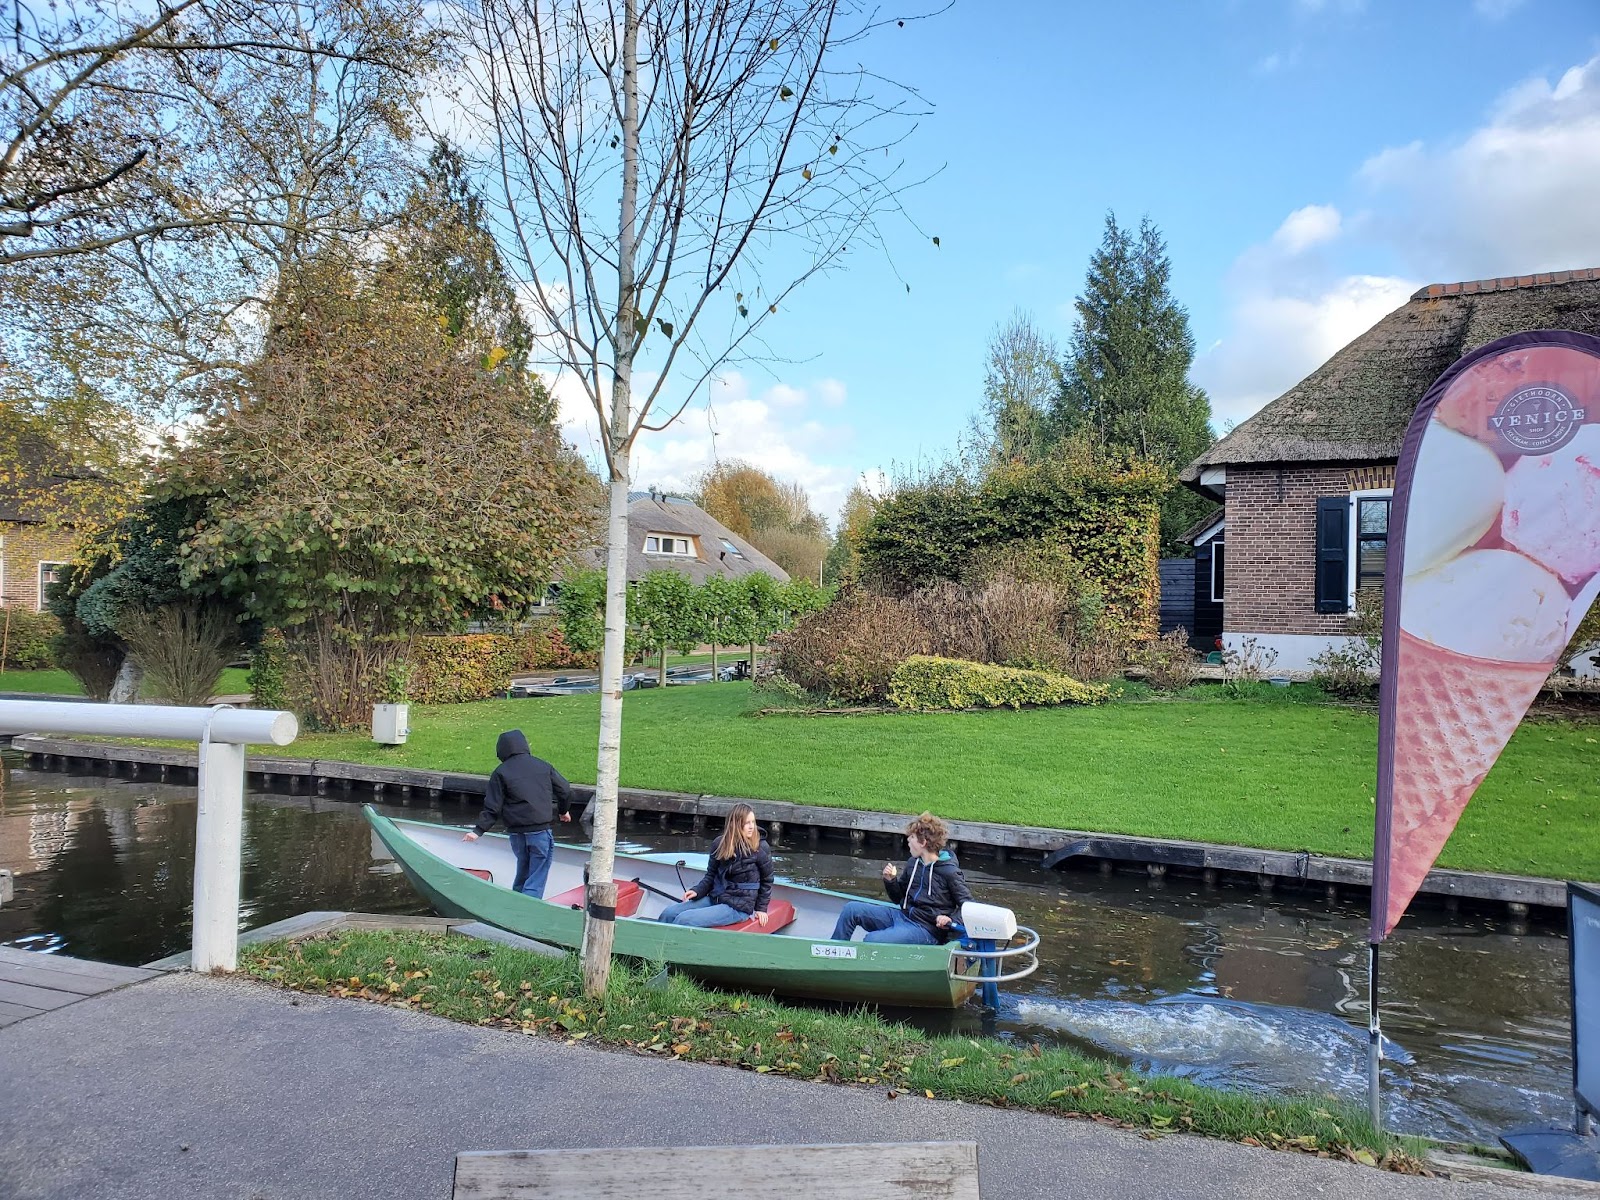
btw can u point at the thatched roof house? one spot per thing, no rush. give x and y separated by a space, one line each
1306 482
673 533
1356 406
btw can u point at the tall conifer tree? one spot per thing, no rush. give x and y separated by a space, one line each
1125 382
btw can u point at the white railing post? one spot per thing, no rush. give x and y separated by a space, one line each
218 846
221 734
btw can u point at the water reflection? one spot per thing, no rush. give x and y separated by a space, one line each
1224 986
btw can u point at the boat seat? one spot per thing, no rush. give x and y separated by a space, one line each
780 913
478 873
629 894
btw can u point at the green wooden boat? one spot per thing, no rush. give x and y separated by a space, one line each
795 956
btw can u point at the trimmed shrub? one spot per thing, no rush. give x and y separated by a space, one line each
923 682
458 668
1105 519
269 671
29 639
1169 662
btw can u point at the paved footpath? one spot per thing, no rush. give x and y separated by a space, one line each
194 1087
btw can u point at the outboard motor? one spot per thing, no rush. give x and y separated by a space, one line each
987 933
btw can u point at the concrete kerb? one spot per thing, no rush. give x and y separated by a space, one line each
1210 861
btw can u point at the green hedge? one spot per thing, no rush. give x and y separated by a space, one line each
923 682
1105 519
544 647
28 639
461 667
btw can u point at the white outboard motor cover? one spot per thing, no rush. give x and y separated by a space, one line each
988 921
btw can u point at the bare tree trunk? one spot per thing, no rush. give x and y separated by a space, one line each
125 688
661 667
600 924
714 677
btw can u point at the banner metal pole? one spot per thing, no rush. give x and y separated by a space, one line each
1374 1039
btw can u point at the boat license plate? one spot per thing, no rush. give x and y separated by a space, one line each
833 951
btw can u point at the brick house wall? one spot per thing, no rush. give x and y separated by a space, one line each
1271 538
24 547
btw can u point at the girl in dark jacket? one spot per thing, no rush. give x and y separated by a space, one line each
737 882
928 893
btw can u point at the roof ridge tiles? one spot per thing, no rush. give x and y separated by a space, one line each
1505 283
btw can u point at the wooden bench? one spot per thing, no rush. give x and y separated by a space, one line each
885 1171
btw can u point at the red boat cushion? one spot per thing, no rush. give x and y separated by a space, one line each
481 874
779 914
629 894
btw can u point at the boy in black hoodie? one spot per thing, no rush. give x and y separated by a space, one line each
928 893
528 795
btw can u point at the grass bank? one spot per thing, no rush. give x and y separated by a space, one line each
233 682
1279 769
492 985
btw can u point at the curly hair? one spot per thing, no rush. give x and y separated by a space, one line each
930 831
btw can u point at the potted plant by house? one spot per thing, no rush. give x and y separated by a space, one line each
391 715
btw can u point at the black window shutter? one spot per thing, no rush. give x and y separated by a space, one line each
1333 554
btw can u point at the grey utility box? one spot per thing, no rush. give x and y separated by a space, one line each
390 723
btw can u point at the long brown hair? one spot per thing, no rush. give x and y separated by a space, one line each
733 839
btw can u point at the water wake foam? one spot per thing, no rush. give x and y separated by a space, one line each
1221 1041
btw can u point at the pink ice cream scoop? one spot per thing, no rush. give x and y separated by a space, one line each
1552 509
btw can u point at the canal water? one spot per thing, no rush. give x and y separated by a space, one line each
1224 986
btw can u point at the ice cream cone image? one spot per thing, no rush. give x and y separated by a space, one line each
1453 715
1478 636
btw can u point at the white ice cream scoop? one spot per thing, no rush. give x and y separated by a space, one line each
1553 507
1488 604
1455 500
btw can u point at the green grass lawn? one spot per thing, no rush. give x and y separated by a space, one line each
1275 770
61 684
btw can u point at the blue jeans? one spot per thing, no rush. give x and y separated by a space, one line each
533 851
701 913
883 923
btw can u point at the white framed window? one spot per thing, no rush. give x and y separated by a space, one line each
49 572
669 543
1218 566
1369 540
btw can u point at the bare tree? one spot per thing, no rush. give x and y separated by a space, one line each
1021 377
671 171
110 113
159 175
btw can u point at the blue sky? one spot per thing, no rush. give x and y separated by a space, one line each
1310 162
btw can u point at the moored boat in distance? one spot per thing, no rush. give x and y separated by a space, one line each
793 956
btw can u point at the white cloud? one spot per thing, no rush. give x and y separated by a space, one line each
1512 197
1276 337
781 430
1516 195
1307 227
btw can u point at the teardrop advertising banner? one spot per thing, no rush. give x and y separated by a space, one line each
1493 559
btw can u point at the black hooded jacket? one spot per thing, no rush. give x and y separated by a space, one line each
525 793
743 882
926 893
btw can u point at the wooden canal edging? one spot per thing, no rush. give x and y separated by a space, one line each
1052 848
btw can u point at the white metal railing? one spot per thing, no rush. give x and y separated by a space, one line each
1026 955
221 734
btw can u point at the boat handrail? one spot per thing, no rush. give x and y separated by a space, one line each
1026 952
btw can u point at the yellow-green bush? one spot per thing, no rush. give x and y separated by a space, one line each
29 638
461 667
926 682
